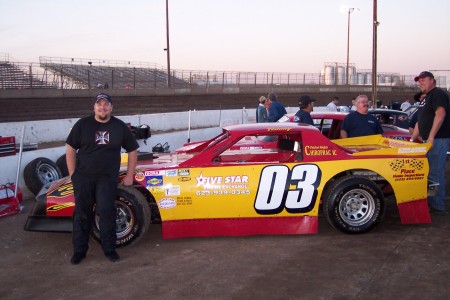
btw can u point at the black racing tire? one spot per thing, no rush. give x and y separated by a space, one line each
354 204
62 165
40 171
133 217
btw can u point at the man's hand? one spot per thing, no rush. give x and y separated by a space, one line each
127 180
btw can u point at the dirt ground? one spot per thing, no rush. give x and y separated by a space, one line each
394 261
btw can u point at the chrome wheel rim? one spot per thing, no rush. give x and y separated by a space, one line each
357 207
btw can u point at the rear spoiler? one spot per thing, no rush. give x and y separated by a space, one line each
379 145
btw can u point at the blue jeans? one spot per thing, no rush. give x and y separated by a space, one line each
436 159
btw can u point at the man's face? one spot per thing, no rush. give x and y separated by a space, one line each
102 110
362 106
426 84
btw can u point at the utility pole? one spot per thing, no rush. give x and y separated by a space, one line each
374 55
168 47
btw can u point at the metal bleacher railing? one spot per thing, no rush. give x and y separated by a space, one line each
77 73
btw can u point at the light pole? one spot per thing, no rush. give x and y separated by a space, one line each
374 54
349 11
168 48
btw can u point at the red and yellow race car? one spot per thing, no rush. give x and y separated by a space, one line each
214 188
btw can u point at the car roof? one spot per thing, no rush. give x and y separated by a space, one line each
270 128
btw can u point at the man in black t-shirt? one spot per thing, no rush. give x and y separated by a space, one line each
433 126
306 107
360 122
93 161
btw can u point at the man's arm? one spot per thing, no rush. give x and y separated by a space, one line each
132 161
71 161
437 123
343 134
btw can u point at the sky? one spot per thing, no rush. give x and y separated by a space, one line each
295 36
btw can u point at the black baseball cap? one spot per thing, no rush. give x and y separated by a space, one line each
103 96
305 100
423 75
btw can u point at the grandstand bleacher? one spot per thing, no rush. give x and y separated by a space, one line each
20 76
79 74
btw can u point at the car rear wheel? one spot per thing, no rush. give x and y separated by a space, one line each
354 204
133 217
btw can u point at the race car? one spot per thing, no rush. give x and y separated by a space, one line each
329 123
216 189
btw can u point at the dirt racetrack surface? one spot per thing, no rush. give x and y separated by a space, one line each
393 262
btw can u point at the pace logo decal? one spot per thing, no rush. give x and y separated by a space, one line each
281 188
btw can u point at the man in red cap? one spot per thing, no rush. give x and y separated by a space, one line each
433 126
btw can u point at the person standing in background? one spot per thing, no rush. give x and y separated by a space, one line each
332 106
261 111
276 109
433 126
360 122
306 107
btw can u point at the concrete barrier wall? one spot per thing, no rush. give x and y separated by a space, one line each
166 127
57 130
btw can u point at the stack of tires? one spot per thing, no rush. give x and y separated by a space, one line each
41 171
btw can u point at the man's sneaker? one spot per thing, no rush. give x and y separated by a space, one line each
77 258
113 256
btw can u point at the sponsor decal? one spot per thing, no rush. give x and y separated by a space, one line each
154 173
57 207
184 172
156 190
407 169
167 203
319 151
250 148
184 201
139 176
171 173
412 150
222 185
172 190
154 180
279 129
184 179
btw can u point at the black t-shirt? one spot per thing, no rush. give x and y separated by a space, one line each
427 110
303 117
99 145
356 124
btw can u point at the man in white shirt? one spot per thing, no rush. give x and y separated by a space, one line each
405 105
332 106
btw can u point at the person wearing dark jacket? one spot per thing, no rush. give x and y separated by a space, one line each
276 109
306 107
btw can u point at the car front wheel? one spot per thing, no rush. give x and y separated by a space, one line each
354 204
132 219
